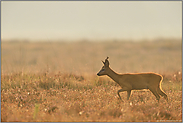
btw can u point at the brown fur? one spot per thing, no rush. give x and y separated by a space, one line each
135 81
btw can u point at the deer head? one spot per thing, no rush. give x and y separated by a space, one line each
105 68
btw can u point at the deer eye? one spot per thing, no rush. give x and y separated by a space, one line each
102 69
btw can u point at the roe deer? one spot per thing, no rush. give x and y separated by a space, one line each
135 81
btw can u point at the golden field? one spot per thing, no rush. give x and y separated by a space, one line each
57 81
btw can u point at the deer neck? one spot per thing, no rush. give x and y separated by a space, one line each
113 75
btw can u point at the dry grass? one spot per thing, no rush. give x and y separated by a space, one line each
58 82
85 57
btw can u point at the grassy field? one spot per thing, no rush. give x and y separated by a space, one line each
57 81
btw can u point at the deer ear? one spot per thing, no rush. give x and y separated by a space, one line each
107 62
103 62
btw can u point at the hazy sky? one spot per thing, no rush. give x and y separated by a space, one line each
46 20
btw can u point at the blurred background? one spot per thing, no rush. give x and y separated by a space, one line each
74 36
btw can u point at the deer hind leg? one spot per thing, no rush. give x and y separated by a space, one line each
155 93
162 94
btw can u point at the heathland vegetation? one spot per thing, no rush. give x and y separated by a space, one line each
57 81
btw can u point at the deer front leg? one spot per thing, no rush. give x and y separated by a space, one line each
118 93
128 94
124 89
